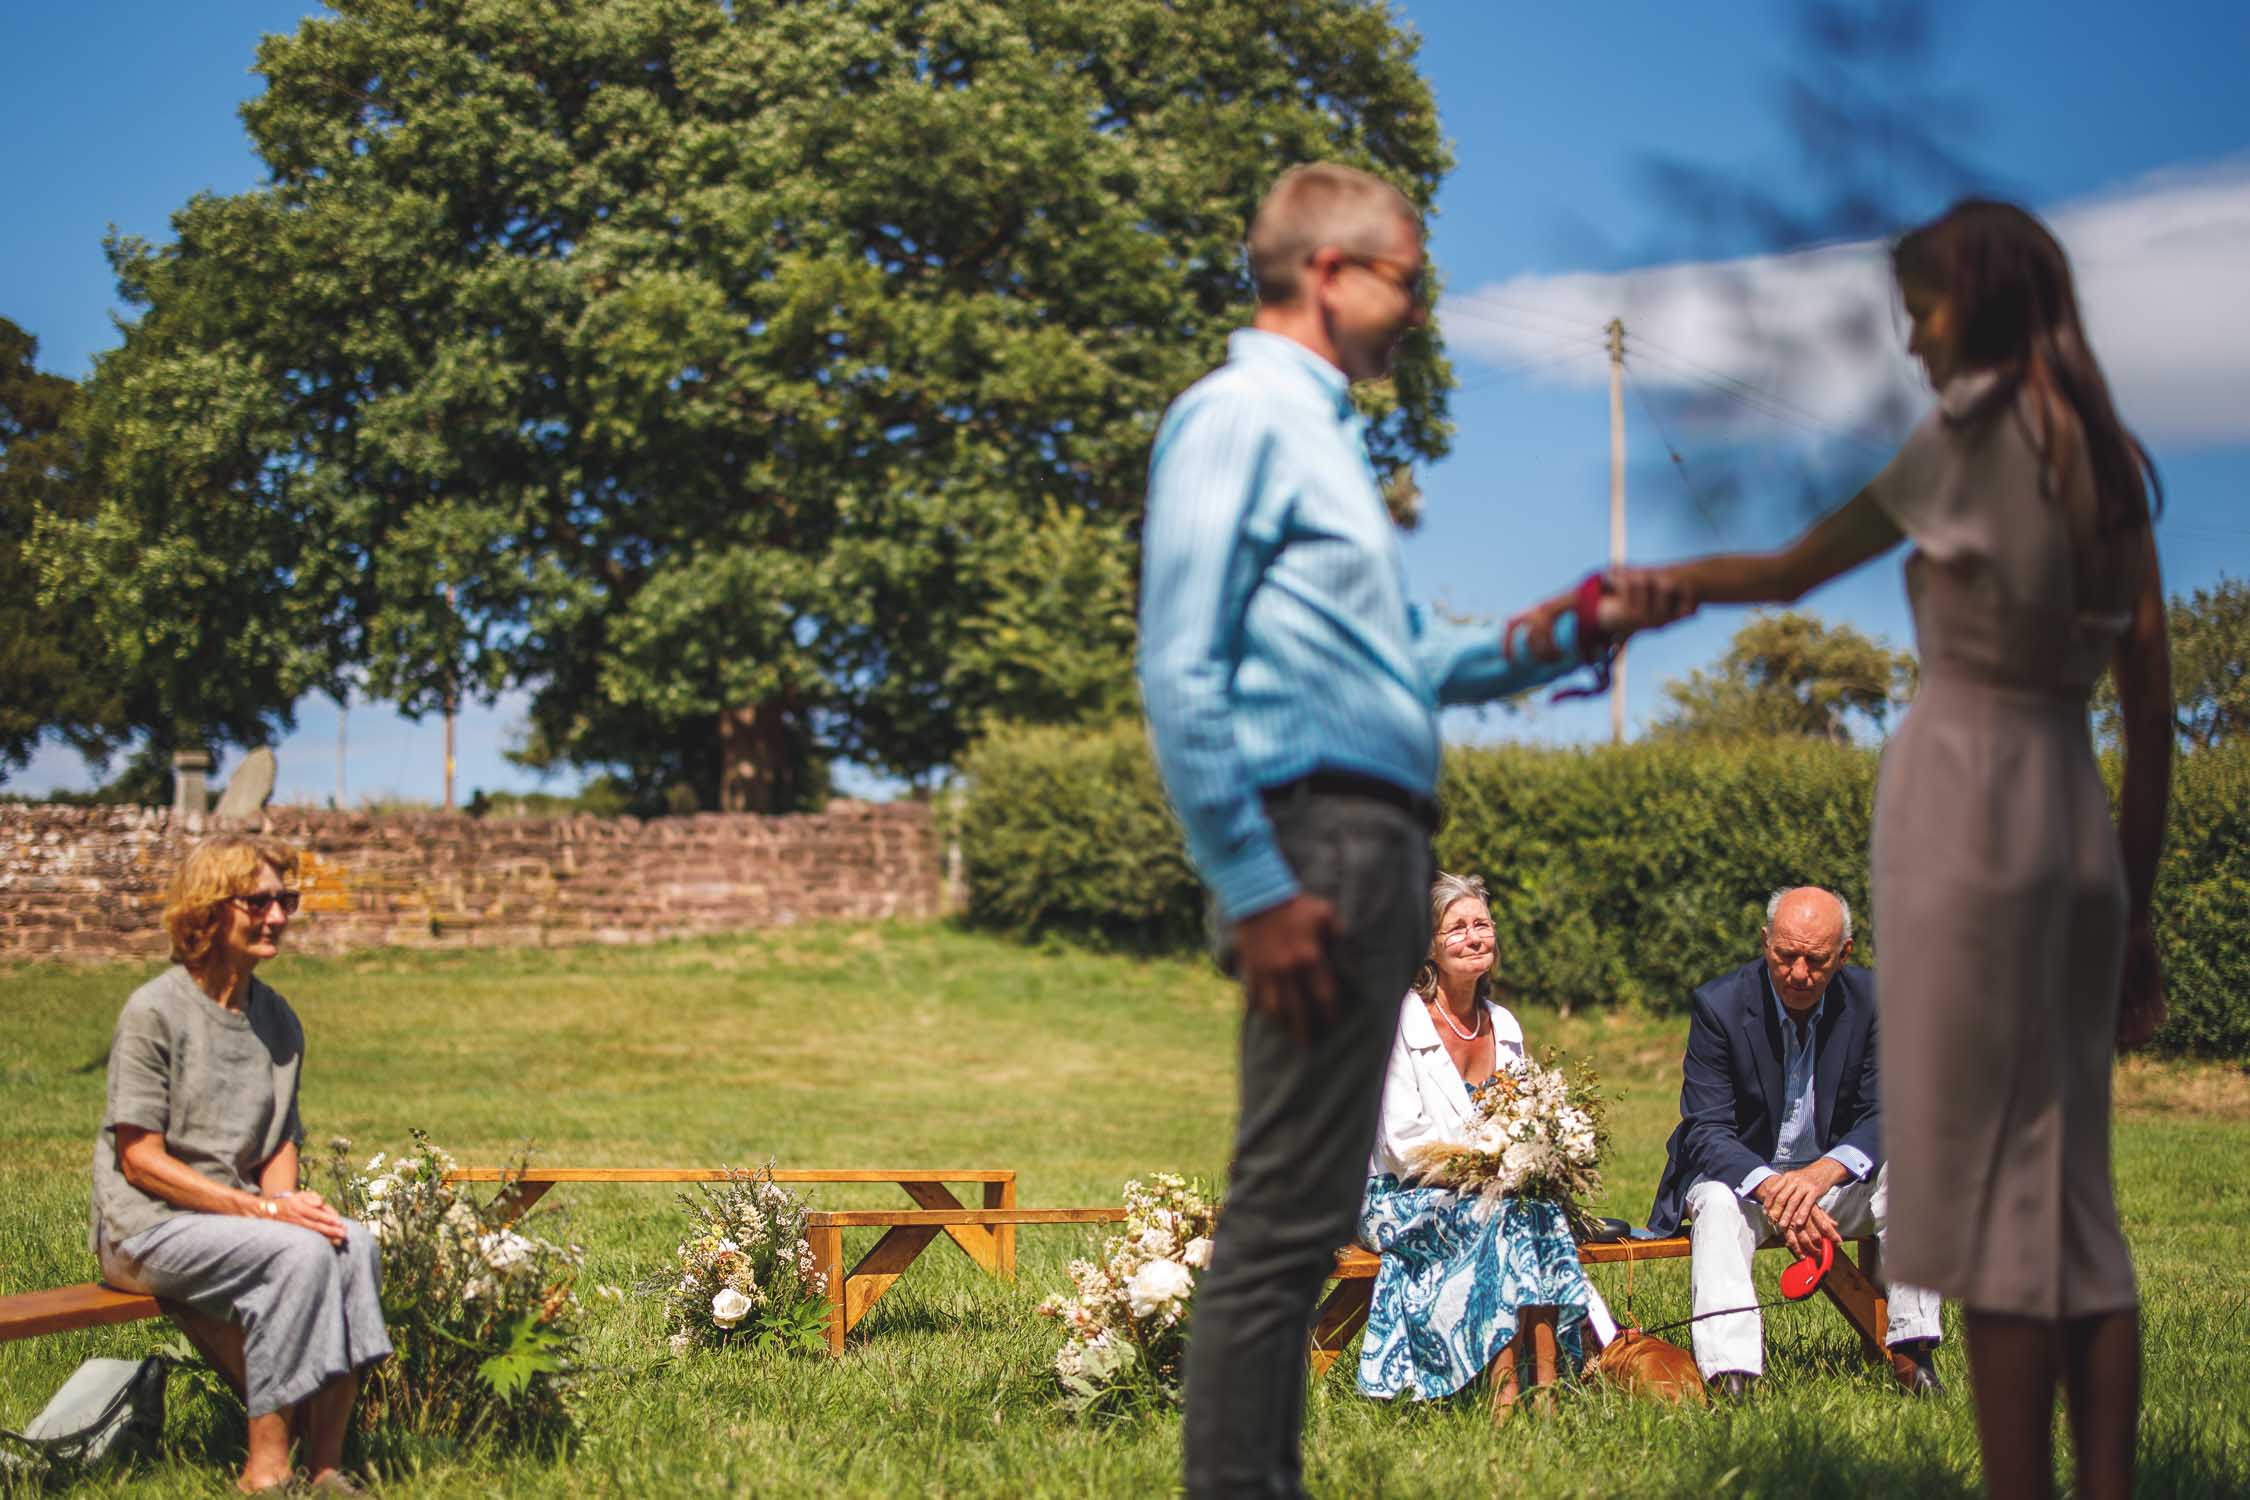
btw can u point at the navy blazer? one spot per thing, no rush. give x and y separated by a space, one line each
1731 1082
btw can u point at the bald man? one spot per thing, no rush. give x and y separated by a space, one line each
1779 1141
1292 697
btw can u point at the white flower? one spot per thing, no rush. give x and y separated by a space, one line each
680 1340
729 1307
503 1250
1198 1254
1159 1287
726 1245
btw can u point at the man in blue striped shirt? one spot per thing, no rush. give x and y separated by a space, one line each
1292 695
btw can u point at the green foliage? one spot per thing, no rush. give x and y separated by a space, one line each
1788 672
2203 905
670 357
481 1314
1618 876
1067 831
2210 637
45 658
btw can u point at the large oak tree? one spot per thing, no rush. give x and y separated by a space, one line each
713 370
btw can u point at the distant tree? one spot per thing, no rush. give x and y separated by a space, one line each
684 362
2210 631
1788 673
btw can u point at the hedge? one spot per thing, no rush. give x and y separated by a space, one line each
1618 875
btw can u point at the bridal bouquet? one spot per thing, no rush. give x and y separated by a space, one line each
1126 1329
1539 1132
746 1270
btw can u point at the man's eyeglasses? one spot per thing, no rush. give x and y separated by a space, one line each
1416 284
1454 937
256 902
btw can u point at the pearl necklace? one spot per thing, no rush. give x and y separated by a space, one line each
1476 1021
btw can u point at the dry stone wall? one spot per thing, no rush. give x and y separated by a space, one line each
88 883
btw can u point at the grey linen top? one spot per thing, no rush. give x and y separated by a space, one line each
220 1086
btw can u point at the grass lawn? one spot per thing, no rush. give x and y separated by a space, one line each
921 1046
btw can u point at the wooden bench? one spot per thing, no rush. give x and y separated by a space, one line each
906 1233
1855 1290
64 1308
991 1245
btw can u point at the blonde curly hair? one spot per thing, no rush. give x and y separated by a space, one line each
214 870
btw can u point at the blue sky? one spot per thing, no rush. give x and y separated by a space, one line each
2129 128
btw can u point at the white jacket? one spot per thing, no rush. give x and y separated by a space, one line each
1423 1098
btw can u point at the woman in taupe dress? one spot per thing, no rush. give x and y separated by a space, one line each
2017 950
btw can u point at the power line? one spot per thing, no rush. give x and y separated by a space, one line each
1753 396
1679 464
1771 407
1495 376
1503 320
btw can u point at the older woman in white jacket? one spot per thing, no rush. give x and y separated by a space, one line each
1455 1270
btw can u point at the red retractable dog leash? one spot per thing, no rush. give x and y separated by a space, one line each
1801 1280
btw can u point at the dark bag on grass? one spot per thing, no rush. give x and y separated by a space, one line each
109 1408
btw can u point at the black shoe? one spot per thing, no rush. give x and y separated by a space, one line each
1733 1385
1915 1364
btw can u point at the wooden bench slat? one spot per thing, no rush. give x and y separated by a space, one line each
63 1308
887 1218
719 1174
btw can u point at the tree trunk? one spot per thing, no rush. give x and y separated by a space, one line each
753 757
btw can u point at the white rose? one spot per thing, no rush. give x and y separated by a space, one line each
729 1307
1198 1254
1159 1286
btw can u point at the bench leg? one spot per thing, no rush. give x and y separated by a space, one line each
1860 1299
1002 1195
1341 1316
827 1244
977 1242
516 1198
879 1268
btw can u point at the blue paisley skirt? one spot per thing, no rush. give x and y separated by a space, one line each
1455 1272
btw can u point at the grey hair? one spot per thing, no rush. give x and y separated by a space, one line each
1316 205
1773 904
1444 891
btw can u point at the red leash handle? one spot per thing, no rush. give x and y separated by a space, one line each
1595 647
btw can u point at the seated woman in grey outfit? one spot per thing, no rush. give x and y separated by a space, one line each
195 1170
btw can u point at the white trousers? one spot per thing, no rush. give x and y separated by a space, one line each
1728 1230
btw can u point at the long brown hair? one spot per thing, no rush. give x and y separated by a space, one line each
2016 308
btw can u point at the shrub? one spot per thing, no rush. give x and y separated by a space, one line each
1629 874
483 1317
1066 830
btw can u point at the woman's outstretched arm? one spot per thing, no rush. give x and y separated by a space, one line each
1855 532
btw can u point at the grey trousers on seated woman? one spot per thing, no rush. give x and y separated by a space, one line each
309 1311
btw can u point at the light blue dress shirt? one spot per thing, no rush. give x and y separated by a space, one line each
1275 634
1800 1115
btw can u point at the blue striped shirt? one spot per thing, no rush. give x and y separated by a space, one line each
1276 638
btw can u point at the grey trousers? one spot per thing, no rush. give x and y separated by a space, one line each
1307 1125
309 1311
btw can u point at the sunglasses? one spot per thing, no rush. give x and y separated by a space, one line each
1416 284
256 902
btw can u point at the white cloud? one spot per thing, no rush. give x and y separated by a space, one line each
2163 271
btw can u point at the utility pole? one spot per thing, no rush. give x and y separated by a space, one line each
1617 510
452 703
343 715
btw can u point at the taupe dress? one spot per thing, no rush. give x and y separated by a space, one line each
1999 884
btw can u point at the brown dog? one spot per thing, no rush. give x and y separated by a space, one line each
1640 1365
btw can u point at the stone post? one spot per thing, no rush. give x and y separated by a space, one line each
191 770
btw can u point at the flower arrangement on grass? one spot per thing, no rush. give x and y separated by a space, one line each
746 1271
1540 1131
1126 1330
482 1314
